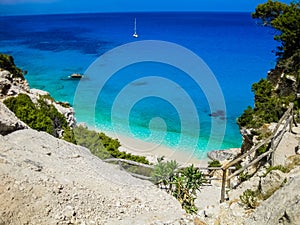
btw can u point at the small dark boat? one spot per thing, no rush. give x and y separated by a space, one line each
76 75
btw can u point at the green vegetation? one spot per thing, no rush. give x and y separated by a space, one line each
64 104
284 18
279 167
293 161
269 107
103 146
40 116
244 176
262 149
271 102
7 63
164 171
214 163
181 183
136 169
250 198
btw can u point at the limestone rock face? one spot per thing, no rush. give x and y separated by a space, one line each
281 208
287 147
252 184
222 155
8 121
45 180
68 112
10 86
272 182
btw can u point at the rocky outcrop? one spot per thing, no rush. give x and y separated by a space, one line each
44 180
272 182
8 121
222 155
67 111
11 86
281 208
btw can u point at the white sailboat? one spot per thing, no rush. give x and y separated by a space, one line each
135 35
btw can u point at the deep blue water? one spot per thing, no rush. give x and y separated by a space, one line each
234 47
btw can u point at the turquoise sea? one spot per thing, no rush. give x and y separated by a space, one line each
149 100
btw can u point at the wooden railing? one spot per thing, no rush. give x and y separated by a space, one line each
133 163
274 139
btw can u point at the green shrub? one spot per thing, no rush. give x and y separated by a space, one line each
91 140
269 107
7 63
181 183
103 146
246 118
184 185
250 198
163 172
244 176
279 167
214 163
262 149
40 116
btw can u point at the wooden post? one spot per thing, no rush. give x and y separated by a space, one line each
227 177
223 185
272 156
291 122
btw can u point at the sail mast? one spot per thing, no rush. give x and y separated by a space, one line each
135 33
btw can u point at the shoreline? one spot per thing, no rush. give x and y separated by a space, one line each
153 151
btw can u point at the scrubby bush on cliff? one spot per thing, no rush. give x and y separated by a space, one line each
7 63
40 116
103 146
273 95
268 106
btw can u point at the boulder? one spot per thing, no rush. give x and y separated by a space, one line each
252 184
281 208
9 122
10 86
222 155
287 147
271 182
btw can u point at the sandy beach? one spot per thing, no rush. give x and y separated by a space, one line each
152 151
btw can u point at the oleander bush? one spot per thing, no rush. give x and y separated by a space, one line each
181 183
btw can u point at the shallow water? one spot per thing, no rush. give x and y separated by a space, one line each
237 51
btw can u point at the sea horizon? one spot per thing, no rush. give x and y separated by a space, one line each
231 44
122 12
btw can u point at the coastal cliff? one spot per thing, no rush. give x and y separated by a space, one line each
46 180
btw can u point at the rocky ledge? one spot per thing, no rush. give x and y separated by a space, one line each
45 180
11 86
